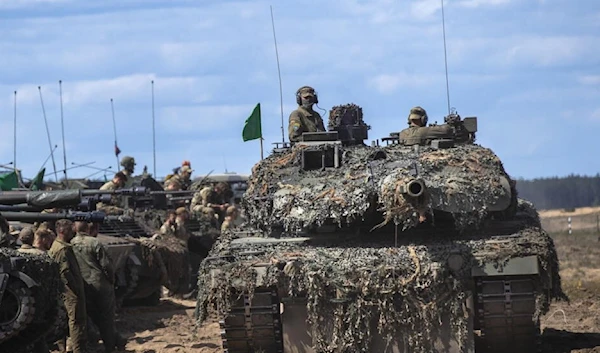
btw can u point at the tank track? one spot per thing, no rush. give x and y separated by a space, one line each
504 311
253 324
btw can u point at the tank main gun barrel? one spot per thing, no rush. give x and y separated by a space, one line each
413 188
173 192
95 216
63 198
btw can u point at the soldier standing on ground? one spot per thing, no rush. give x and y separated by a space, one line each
305 119
128 164
99 276
74 294
418 132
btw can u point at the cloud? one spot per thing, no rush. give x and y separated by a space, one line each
479 3
212 61
589 79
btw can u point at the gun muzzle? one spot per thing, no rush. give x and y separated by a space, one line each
414 188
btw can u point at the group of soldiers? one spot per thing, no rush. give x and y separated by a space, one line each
306 119
88 276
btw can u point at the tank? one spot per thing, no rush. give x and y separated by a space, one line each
381 247
31 306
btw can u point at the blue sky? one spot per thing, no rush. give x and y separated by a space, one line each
528 69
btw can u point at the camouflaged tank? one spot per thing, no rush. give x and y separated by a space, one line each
369 248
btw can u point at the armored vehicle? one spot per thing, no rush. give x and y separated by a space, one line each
31 307
352 247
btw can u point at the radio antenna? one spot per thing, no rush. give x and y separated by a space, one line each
445 57
279 73
48 133
62 124
15 135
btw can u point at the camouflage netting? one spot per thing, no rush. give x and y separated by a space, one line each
169 258
465 181
45 272
404 289
348 114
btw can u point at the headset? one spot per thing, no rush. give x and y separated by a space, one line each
299 99
417 111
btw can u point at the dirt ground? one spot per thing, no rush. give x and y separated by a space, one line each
567 328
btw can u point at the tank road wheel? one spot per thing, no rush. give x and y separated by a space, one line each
17 309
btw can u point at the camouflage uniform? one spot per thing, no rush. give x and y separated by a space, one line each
99 277
418 135
304 119
175 180
115 200
228 223
28 249
168 229
182 233
202 201
74 293
128 163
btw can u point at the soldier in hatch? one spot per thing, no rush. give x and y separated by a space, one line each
211 200
128 164
418 133
305 119
181 180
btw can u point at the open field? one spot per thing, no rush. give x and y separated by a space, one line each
568 327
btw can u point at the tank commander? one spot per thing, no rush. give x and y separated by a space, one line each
418 133
305 119
128 164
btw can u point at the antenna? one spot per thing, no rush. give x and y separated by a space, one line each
153 132
279 74
112 107
15 136
445 56
62 123
48 133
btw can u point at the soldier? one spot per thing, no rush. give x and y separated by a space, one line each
182 216
99 276
170 225
26 236
42 242
181 180
210 200
305 119
74 295
418 132
117 182
231 216
128 164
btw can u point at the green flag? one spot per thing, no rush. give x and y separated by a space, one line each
252 128
38 181
9 181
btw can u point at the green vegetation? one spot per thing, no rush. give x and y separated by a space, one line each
566 192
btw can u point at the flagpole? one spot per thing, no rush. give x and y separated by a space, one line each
112 107
261 148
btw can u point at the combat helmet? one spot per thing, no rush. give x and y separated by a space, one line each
418 113
127 161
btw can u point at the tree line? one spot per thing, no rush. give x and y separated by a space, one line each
561 192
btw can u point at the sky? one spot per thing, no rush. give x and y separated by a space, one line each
528 69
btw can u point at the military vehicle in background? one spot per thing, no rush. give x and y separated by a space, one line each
31 307
351 247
